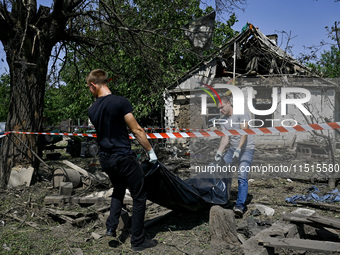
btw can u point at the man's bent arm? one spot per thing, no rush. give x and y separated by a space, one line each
137 131
223 143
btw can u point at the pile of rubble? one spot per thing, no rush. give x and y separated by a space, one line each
302 231
79 201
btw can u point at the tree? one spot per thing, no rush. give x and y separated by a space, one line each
142 59
138 78
4 96
32 35
28 43
329 63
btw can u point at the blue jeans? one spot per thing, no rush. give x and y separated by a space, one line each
244 162
125 172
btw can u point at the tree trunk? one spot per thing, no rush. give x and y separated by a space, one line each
222 226
28 79
28 40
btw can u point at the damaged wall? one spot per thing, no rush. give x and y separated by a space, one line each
323 107
252 60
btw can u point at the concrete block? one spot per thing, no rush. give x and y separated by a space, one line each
65 188
20 176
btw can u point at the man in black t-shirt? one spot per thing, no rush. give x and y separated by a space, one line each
110 115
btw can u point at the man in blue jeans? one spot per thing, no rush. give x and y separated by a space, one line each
111 115
241 148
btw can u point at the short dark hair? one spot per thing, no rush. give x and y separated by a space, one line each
97 76
227 99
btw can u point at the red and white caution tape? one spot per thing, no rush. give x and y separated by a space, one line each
145 129
47 133
211 133
1 136
249 131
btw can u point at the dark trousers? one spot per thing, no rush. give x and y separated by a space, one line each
125 172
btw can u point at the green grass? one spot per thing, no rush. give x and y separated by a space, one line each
26 241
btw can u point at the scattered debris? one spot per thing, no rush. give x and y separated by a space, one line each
300 244
76 251
104 193
79 169
75 218
83 201
61 174
252 247
250 226
75 200
6 247
314 194
304 211
96 236
23 221
312 149
323 206
265 210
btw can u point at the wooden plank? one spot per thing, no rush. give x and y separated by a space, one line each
75 200
79 169
297 218
78 217
82 200
61 212
327 221
82 220
29 223
320 206
103 209
64 217
300 244
313 220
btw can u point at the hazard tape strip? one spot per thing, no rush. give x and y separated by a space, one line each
146 129
4 134
48 133
211 133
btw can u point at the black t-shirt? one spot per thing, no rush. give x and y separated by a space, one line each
107 115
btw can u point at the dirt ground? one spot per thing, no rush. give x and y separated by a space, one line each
26 227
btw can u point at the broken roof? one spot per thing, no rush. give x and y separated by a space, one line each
256 56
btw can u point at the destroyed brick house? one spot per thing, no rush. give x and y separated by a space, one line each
252 60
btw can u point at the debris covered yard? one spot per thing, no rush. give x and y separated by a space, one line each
36 219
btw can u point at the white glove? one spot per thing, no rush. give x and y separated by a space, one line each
218 156
152 156
237 153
